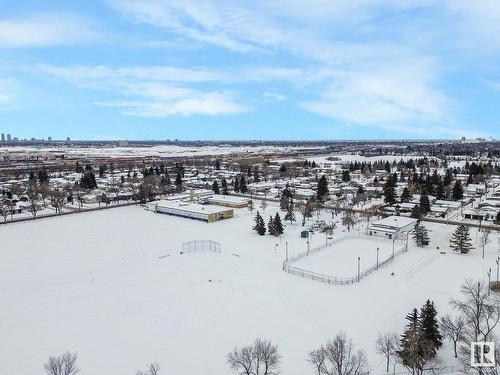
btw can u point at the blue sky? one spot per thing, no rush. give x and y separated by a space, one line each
275 69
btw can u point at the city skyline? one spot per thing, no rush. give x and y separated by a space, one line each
158 70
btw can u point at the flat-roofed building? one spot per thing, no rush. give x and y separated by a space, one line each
228 201
391 226
207 213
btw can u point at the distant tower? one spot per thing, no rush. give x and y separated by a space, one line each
68 139
49 139
3 137
8 138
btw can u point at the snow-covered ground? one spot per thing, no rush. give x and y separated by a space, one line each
112 286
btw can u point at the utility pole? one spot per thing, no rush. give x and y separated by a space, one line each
377 256
286 251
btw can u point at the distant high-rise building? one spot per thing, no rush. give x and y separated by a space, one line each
8 138
3 137
68 139
49 139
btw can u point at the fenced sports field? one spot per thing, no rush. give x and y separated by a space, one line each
346 260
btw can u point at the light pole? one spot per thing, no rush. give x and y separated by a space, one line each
275 246
377 256
489 280
359 260
393 247
286 251
498 265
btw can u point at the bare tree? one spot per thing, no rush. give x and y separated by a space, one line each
306 210
317 359
44 191
58 199
338 357
484 238
5 208
153 369
387 345
261 358
33 198
481 314
62 365
452 328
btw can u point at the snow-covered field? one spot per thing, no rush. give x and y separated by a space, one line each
160 150
100 283
341 258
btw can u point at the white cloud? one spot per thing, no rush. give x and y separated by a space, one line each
399 96
220 24
151 91
44 30
211 104
274 95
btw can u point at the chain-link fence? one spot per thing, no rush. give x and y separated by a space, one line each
328 279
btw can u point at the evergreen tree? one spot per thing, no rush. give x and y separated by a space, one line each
406 195
346 176
389 191
243 184
178 180
322 191
278 226
271 229
498 218
284 201
460 241
43 176
440 192
215 187
217 164
430 326
259 226
290 214
237 184
224 187
87 181
420 235
425 205
415 350
32 177
102 170
458 191
448 177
